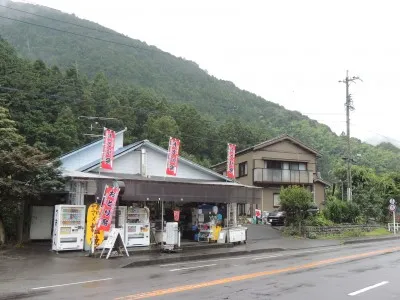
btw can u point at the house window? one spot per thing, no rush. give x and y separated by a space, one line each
243 169
285 165
277 200
273 164
296 166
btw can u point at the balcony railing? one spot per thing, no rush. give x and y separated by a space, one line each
282 176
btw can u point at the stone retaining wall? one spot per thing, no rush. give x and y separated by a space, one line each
339 229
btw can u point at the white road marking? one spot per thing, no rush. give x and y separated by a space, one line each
368 288
265 257
201 261
296 253
196 267
66 284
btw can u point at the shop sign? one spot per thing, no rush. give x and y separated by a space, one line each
107 208
108 149
230 168
92 218
173 155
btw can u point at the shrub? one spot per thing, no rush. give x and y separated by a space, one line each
312 235
339 211
295 200
318 220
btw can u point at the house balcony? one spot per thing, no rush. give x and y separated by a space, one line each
279 176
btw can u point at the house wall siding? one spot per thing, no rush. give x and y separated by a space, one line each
285 151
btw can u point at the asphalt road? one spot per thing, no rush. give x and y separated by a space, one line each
366 271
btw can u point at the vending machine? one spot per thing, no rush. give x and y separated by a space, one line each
68 227
137 227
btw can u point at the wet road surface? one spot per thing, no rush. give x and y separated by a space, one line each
367 271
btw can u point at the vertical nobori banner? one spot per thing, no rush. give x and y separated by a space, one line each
107 208
230 168
172 158
108 149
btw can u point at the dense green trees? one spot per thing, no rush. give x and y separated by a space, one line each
25 173
47 105
218 111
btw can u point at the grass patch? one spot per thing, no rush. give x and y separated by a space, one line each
378 232
355 234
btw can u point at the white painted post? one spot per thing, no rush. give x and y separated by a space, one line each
394 222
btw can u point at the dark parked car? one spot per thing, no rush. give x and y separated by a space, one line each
277 217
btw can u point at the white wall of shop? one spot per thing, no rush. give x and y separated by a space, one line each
155 162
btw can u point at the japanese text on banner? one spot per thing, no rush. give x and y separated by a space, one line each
230 169
173 155
107 208
108 149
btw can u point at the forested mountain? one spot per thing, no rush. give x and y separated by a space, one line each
144 88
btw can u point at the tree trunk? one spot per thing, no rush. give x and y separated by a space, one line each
2 233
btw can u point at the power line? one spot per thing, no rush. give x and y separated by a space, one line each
65 22
87 36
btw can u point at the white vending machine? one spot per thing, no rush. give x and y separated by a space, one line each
68 227
137 227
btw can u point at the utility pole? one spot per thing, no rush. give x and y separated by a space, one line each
349 107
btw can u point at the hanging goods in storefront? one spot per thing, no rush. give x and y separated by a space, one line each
114 242
172 157
107 156
230 168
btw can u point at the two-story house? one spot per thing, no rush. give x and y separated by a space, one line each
281 161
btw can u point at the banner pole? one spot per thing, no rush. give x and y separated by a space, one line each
102 149
168 155
97 220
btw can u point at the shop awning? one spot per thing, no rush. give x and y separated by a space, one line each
138 188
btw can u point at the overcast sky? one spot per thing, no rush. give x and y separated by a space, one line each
289 52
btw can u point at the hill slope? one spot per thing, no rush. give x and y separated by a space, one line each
131 62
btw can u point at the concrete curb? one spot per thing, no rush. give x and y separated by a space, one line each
172 259
371 240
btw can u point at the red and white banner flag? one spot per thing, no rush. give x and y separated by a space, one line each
173 154
107 208
230 168
108 149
